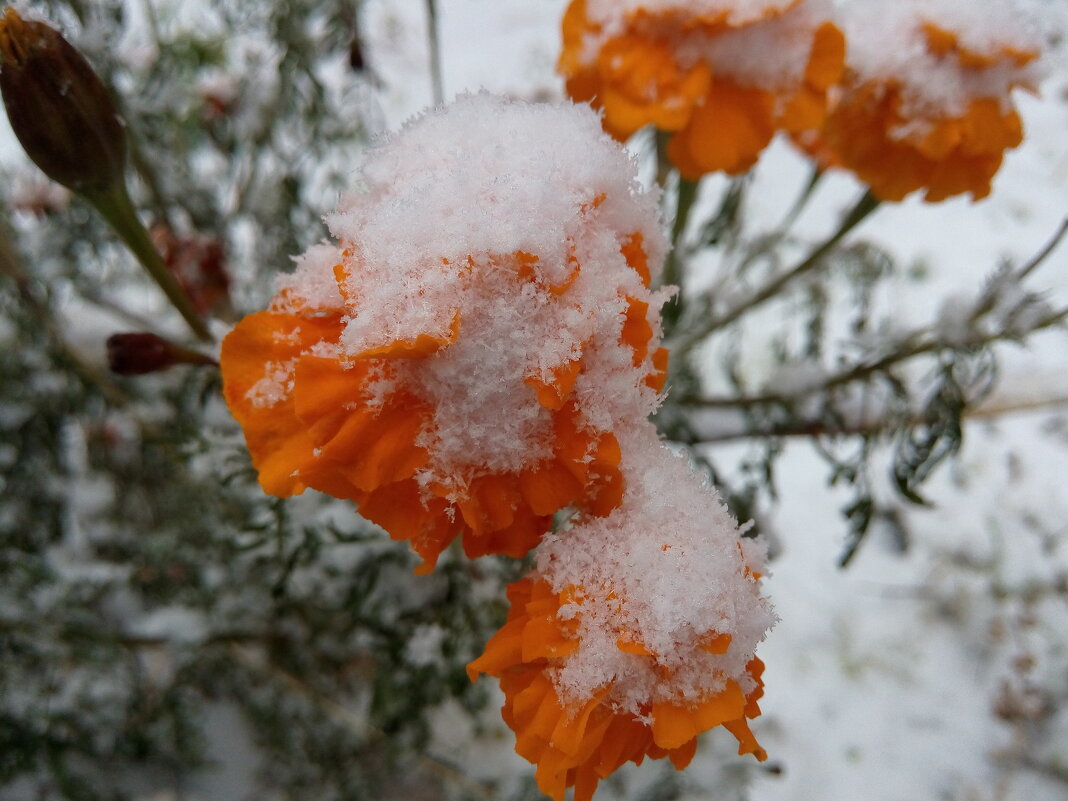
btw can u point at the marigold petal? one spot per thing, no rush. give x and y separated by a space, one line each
633 251
554 393
747 743
683 755
549 487
827 59
726 133
728 704
673 725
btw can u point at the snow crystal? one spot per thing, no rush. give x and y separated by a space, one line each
666 569
737 12
312 284
275 386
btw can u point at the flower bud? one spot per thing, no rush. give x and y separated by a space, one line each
141 353
59 108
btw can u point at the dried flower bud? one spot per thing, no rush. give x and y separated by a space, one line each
59 108
141 353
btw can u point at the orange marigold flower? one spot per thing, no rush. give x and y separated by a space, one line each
458 362
635 633
720 75
927 101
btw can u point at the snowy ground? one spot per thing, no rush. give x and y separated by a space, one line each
919 676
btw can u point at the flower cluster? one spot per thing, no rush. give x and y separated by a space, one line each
721 76
479 351
921 100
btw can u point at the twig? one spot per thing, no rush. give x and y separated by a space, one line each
434 42
863 207
115 206
861 371
685 194
825 428
1041 256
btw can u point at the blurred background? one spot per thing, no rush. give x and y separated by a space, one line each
169 632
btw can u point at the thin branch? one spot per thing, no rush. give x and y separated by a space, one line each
1041 256
434 42
863 207
825 428
862 370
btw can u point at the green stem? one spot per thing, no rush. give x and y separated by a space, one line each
802 200
863 207
115 206
769 243
686 194
434 41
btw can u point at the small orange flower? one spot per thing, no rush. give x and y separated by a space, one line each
448 385
720 79
941 121
576 744
635 634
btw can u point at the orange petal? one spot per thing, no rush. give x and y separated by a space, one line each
636 329
489 503
278 443
553 395
633 251
682 756
715 643
549 487
726 133
673 725
827 59
747 743
422 346
629 645
658 378
725 705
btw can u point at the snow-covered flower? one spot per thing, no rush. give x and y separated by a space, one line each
636 632
457 364
722 76
927 100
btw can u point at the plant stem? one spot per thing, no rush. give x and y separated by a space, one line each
917 347
863 207
434 41
115 206
1041 256
802 200
685 194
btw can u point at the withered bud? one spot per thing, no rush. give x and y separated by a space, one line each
141 353
59 108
